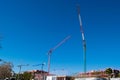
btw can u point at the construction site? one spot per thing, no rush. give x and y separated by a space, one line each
59 40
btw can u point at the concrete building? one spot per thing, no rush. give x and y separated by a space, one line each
38 74
59 78
93 74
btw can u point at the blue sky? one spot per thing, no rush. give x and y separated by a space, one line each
31 27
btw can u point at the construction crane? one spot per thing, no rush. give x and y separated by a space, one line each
42 72
42 65
52 49
83 39
20 67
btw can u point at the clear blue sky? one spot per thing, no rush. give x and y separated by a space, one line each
31 27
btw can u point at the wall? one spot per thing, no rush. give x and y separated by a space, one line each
89 78
115 79
95 79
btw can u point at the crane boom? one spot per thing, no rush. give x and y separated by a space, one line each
52 49
22 65
42 64
59 44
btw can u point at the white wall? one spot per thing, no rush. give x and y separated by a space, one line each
115 79
88 79
95 79
51 78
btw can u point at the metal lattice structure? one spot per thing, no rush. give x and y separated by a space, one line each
52 49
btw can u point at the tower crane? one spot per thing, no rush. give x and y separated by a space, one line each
42 65
42 71
20 67
83 39
52 49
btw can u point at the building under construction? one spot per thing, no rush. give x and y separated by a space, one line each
59 78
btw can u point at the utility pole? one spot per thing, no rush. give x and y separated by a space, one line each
20 67
83 40
52 49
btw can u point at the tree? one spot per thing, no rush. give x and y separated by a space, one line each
109 72
5 70
27 76
116 73
119 75
20 77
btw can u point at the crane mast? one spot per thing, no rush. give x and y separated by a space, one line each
83 40
52 49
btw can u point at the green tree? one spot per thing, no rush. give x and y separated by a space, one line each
24 76
119 75
109 72
20 77
27 76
